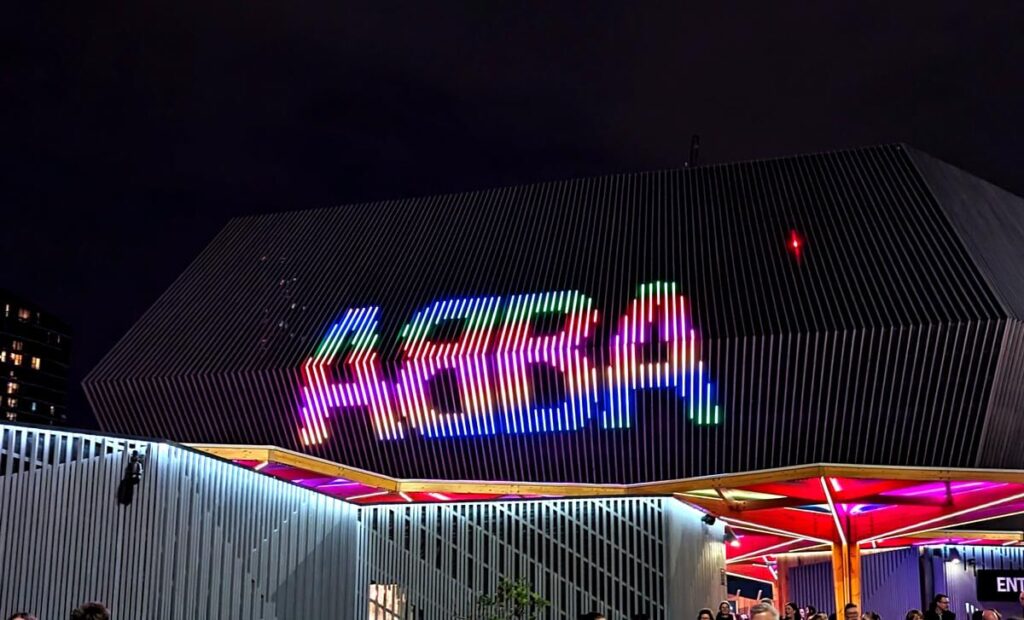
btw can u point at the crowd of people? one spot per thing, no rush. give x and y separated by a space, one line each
766 610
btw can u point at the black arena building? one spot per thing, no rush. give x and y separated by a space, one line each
859 307
639 394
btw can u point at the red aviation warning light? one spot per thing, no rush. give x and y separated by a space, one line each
795 245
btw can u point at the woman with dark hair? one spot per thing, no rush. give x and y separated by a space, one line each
705 614
21 615
724 611
791 612
915 614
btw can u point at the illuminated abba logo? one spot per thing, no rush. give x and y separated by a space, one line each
492 361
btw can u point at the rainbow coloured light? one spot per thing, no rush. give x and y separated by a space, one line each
658 314
492 365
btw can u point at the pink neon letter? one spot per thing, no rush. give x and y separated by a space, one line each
356 332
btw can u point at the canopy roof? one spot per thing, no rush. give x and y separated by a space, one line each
784 510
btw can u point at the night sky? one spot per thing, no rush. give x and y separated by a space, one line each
132 131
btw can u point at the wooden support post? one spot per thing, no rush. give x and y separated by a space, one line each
782 581
846 575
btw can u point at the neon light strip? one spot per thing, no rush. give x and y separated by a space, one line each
832 509
754 554
772 530
366 495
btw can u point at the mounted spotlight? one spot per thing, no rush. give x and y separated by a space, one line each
708 519
731 538
954 556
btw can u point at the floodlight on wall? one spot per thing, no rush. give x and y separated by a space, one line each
953 557
708 519
731 538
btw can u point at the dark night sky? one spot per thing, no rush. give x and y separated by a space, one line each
132 131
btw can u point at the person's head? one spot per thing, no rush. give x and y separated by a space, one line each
811 611
941 602
820 616
593 616
764 611
724 608
91 611
870 615
767 601
850 612
705 614
21 615
991 614
791 611
915 614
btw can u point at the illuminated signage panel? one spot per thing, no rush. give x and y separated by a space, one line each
493 360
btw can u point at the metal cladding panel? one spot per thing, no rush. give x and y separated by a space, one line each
811 584
890 584
1004 422
988 219
880 331
619 557
202 538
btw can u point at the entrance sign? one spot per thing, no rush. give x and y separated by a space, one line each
1000 585
492 361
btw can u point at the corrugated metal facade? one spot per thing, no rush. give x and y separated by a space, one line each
206 539
582 555
201 539
959 582
811 584
885 329
890 583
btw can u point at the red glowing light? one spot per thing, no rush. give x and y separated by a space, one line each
795 244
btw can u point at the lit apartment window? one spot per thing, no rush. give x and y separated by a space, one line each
12 402
17 345
3 356
36 362
12 387
33 405
24 314
51 409
16 359
12 416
